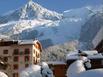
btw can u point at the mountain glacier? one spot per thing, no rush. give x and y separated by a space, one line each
34 21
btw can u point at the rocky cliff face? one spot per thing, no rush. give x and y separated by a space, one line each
91 28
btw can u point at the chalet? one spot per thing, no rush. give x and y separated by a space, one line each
19 54
95 57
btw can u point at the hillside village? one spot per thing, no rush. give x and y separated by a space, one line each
13 53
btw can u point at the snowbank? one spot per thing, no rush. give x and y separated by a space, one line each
77 69
3 74
37 71
32 71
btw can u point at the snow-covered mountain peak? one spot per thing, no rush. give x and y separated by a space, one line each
33 10
31 3
30 11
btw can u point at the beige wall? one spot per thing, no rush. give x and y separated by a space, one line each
21 63
34 57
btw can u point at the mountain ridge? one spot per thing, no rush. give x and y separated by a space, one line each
34 21
29 11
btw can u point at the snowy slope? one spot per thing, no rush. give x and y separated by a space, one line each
92 73
35 71
34 21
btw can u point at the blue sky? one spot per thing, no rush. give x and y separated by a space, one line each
55 5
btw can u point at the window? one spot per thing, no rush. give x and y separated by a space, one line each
26 65
5 52
5 59
15 75
27 51
38 55
34 51
16 59
26 58
15 66
34 60
16 51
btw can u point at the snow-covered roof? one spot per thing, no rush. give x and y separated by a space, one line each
98 56
22 42
91 55
56 62
9 42
88 52
91 52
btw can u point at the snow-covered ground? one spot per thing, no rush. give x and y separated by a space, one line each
37 71
2 74
77 69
